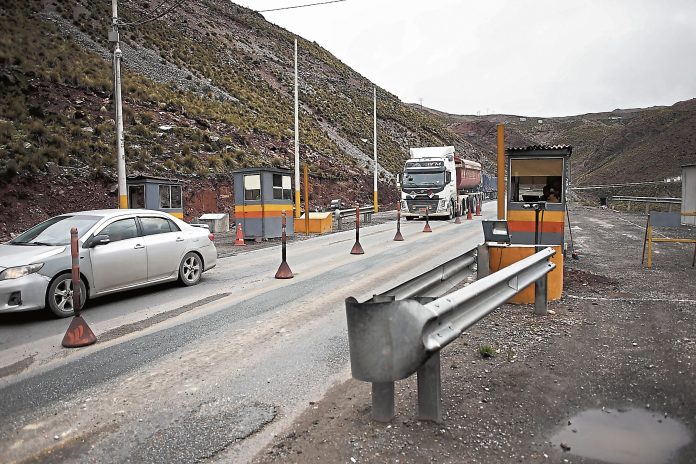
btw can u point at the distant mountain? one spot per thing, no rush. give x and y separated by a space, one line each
619 146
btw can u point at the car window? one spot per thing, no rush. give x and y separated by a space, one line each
121 230
56 231
157 225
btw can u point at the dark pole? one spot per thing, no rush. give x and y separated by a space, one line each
75 254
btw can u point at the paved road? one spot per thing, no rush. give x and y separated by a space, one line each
184 374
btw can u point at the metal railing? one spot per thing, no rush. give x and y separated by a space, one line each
391 339
340 214
647 200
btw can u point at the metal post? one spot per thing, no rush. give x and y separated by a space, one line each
429 389
297 142
75 274
649 245
398 237
375 147
383 401
540 287
501 171
120 149
306 200
482 262
357 248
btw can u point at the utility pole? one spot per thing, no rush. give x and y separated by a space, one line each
120 151
297 144
375 146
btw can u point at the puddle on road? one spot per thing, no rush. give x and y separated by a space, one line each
623 436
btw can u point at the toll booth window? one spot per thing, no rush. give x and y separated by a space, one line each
136 196
536 180
281 187
252 187
170 196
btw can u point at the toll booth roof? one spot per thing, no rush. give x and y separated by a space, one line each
274 170
540 150
153 179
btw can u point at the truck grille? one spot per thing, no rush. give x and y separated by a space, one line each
418 204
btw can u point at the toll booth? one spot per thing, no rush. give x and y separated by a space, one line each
158 193
536 195
260 197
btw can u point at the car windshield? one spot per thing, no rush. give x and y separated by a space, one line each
55 231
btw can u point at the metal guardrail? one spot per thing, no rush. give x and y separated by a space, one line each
391 339
366 211
647 200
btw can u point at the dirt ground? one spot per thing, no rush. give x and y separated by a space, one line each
621 338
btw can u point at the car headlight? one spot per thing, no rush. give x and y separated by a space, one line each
20 271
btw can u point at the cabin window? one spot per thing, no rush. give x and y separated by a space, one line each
136 196
281 187
170 196
252 187
536 180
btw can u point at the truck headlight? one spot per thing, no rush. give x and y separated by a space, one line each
20 271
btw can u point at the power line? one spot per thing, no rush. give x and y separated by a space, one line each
154 18
300 6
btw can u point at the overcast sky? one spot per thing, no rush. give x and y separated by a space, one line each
524 57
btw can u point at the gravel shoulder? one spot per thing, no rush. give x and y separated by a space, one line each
621 338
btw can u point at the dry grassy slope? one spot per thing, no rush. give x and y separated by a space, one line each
219 74
621 146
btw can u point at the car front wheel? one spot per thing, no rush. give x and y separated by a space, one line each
59 297
190 269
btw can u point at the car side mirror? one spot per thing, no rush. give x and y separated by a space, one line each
101 239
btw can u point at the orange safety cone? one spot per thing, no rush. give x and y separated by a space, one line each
240 236
284 271
357 248
468 210
398 237
78 333
478 207
457 219
427 228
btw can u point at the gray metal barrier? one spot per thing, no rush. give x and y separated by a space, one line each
391 339
647 200
366 211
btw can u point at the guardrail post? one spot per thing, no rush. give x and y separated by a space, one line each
338 219
429 389
383 401
482 262
540 287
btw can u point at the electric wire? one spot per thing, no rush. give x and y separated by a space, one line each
154 18
300 6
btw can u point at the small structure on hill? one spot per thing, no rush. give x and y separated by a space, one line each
260 197
156 193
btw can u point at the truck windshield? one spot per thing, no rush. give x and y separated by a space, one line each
417 179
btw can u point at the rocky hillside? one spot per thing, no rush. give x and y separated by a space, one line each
207 89
615 147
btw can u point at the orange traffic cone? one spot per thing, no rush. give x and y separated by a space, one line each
478 207
468 210
240 236
426 227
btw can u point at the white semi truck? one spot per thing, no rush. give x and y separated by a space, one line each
438 180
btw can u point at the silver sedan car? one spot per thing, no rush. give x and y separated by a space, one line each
120 249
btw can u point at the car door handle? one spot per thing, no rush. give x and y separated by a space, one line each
138 246
179 239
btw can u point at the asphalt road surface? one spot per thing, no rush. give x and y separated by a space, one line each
209 372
